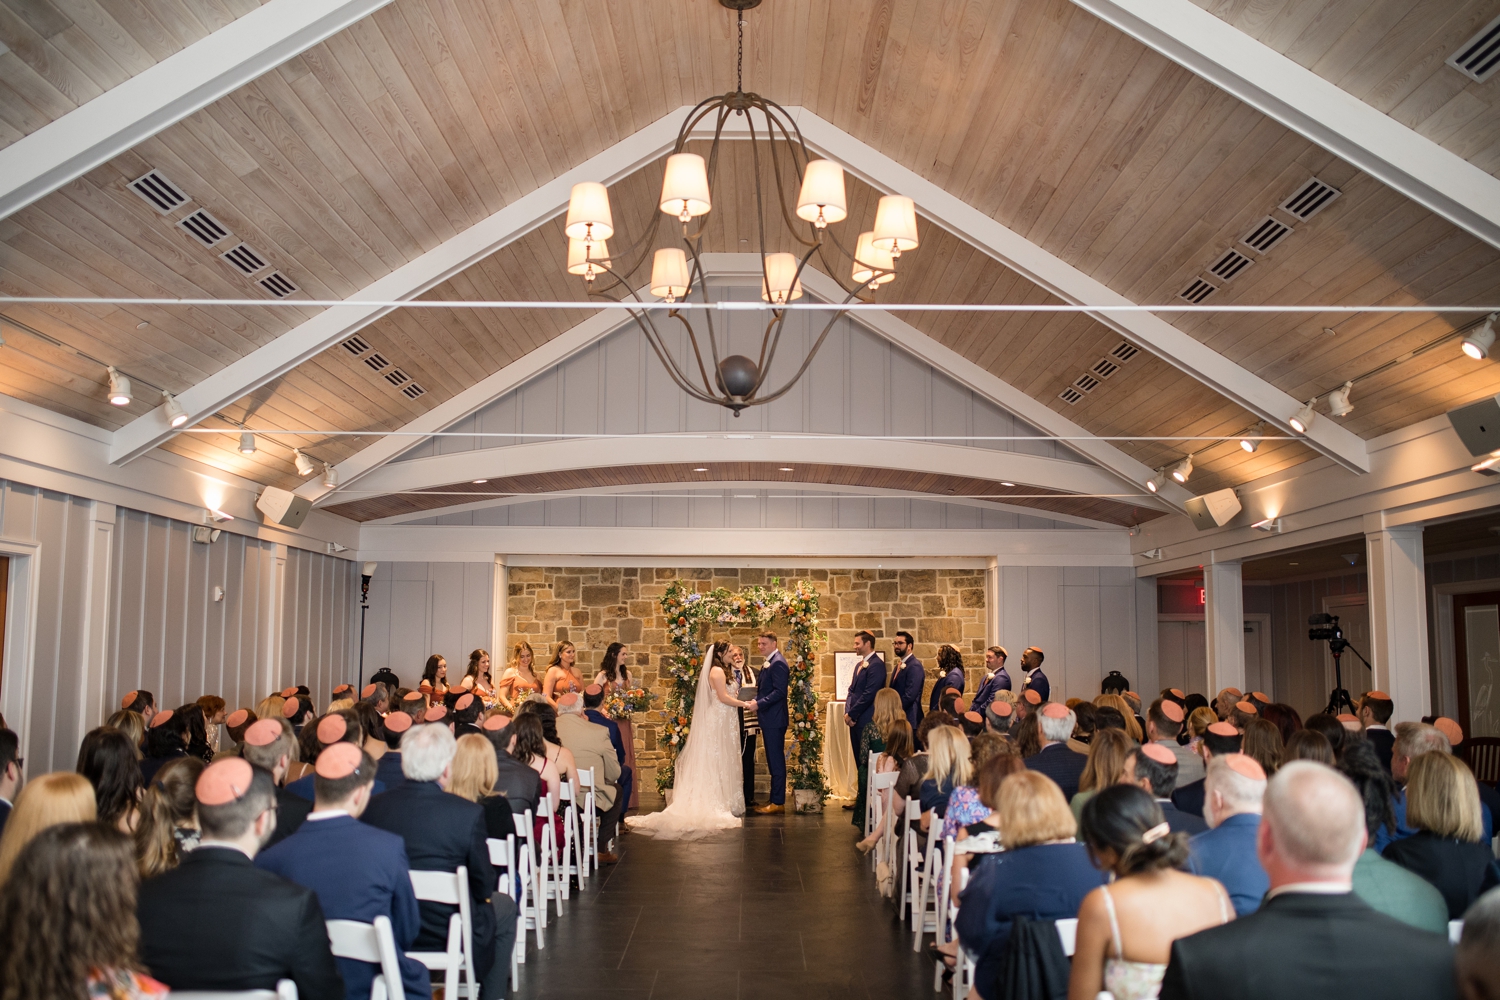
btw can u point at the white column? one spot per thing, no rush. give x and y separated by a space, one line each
992 605
273 611
500 617
1224 614
1398 618
94 617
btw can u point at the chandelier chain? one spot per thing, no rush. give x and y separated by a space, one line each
739 62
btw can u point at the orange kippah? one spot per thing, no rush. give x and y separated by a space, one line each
343 687
1261 696
160 717
368 690
237 718
1378 694
263 733
1248 766
1176 692
1159 753
463 702
1246 707
435 714
974 717
338 761
126 701
1172 711
224 781
1032 697
1346 717
592 690
291 707
495 723
1001 708
397 722
959 707
1236 692
1055 710
331 728
288 692
1450 729
413 696
1223 729
567 699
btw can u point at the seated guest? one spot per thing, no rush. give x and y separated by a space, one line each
372 725
1120 706
166 739
1332 729
1153 769
1126 929
59 797
593 699
274 930
1106 761
112 766
1412 740
1026 734
1042 873
1055 724
521 786
1312 936
335 727
964 804
270 745
1235 785
909 781
1449 848
592 750
974 841
972 724
1375 710
1198 721
998 716
466 710
1385 885
388 768
1283 717
132 725
1084 732
898 748
1263 742
558 755
142 703
1220 738
884 714
235 724
1224 702
1308 744
474 775
1240 714
358 872
1164 722
169 817
195 729
442 832
67 917
947 769
1478 953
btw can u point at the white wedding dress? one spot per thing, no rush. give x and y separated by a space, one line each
708 792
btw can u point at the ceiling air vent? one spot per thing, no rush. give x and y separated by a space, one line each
356 345
1479 57
1104 368
412 390
1086 383
1267 233
158 192
1124 351
1231 263
246 261
1310 199
1070 395
204 228
1197 291
377 362
397 377
278 284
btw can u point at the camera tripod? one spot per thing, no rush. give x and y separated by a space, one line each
1339 701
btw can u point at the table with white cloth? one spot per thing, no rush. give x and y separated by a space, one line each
838 756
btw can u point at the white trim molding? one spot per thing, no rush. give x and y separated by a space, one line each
23 599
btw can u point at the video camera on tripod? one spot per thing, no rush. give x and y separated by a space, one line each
1324 627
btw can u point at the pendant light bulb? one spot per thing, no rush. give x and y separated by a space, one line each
1183 470
119 388
247 443
1477 344
305 465
1338 401
176 415
1303 418
330 475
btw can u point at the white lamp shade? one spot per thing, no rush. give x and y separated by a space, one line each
896 224
780 284
588 213
684 187
869 260
823 192
670 276
587 258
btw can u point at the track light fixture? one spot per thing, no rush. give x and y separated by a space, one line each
119 388
1478 343
1154 483
1303 418
247 443
1338 401
1251 440
305 465
176 415
1183 469
330 475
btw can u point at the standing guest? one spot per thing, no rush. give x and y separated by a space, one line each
592 750
108 760
1478 953
435 676
1308 744
142 703
1263 742
1126 929
562 673
388 768
947 769
59 797
517 682
274 930
358 872
165 740
886 713
1311 931
995 679
1164 721
1055 724
1221 738
1226 851
1034 679
1103 767
950 677
859 701
67 918
771 714
169 817
1449 849
269 745
909 678
1153 769
1375 710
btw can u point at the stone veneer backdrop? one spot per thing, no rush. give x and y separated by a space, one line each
593 607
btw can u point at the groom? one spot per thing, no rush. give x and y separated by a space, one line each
770 712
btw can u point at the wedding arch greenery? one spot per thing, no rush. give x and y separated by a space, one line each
691 615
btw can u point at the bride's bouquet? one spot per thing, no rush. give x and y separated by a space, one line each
621 704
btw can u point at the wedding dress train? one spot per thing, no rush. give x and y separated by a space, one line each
708 793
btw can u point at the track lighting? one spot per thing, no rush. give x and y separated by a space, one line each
1271 524
330 475
1303 418
119 388
217 516
247 443
1338 401
1153 483
305 465
1183 469
1251 440
1477 344
176 415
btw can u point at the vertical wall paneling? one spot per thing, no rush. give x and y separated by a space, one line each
499 615
95 610
417 609
318 629
1084 618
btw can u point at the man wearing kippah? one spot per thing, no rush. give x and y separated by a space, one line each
1164 721
1221 738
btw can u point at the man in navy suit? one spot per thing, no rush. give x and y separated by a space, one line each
771 714
1375 710
995 681
1226 851
1153 767
869 677
10 772
1063 765
1221 738
358 872
1035 680
909 679
593 697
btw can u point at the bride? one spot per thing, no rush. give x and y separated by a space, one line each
709 792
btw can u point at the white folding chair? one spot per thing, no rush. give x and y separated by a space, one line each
947 910
588 815
451 888
285 990
911 858
532 916
552 877
926 919
567 804
503 857
373 943
963 970
870 811
884 822
1067 932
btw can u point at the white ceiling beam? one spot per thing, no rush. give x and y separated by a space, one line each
1304 102
155 98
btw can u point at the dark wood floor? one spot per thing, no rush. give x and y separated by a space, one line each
783 909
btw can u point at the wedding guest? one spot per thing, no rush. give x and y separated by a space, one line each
998 716
141 702
1224 702
1284 718
1164 721
914 770
1332 729
1448 849
388 767
972 842
1309 744
165 740
195 731
1055 723
169 817
212 707
947 769
1221 738
530 748
1153 769
1236 786
1240 714
964 804
590 746
1375 710
59 797
1263 742
132 725
67 917
1198 721
110 762
1477 956
872 738
1103 767
1120 705
1126 929
1083 732
435 676
474 778
593 701
270 745
270 707
560 756
521 786
898 750
562 673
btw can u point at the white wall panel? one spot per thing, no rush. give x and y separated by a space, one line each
1085 618
417 609
319 622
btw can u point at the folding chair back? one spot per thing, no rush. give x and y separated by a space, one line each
451 888
528 886
374 943
911 859
588 815
285 990
1067 932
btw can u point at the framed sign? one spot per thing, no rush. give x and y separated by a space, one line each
843 670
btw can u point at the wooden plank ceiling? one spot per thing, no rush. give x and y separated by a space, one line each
421 120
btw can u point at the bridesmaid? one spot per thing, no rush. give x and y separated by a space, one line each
477 677
614 675
518 682
436 675
562 674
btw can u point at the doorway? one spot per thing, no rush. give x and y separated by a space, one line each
1182 653
1476 635
1353 611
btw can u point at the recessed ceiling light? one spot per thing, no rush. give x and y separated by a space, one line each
1294 564
786 468
701 469
480 482
1007 484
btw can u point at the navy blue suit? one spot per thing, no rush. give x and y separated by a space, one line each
1179 821
627 774
388 769
1227 853
909 680
859 703
952 679
993 685
1189 798
359 873
1037 681
304 787
771 715
1062 765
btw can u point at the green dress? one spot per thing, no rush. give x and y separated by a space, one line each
869 742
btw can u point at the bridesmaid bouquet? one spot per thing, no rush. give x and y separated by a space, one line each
622 704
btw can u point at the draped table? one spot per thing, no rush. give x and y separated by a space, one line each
838 756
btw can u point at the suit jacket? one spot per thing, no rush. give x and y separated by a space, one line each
1308 945
1406 896
1384 741
216 922
304 786
1179 821
591 749
1189 765
859 705
952 679
1189 798
993 685
1037 681
908 681
441 832
1227 853
1062 765
612 727
521 786
359 873
291 810
1461 871
771 693
388 769
4 814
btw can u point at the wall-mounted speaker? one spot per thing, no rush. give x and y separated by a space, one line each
1213 510
283 507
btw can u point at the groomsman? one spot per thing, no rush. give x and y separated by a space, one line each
1035 680
909 679
770 712
995 681
869 677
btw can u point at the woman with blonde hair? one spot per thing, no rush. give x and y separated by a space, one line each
562 675
132 725
1107 753
872 738
1448 849
518 680
1198 722
270 707
168 828
947 768
59 797
475 773
1119 704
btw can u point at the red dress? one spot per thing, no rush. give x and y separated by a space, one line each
539 823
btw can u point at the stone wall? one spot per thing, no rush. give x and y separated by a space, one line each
593 607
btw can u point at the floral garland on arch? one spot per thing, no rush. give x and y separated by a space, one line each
690 613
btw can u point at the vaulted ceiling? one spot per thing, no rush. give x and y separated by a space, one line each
399 133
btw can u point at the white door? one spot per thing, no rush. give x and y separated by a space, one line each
1182 651
1257 658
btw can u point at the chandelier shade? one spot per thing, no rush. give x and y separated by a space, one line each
684 187
872 266
670 277
587 259
781 283
895 224
822 200
589 217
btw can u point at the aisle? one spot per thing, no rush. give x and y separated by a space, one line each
784 909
